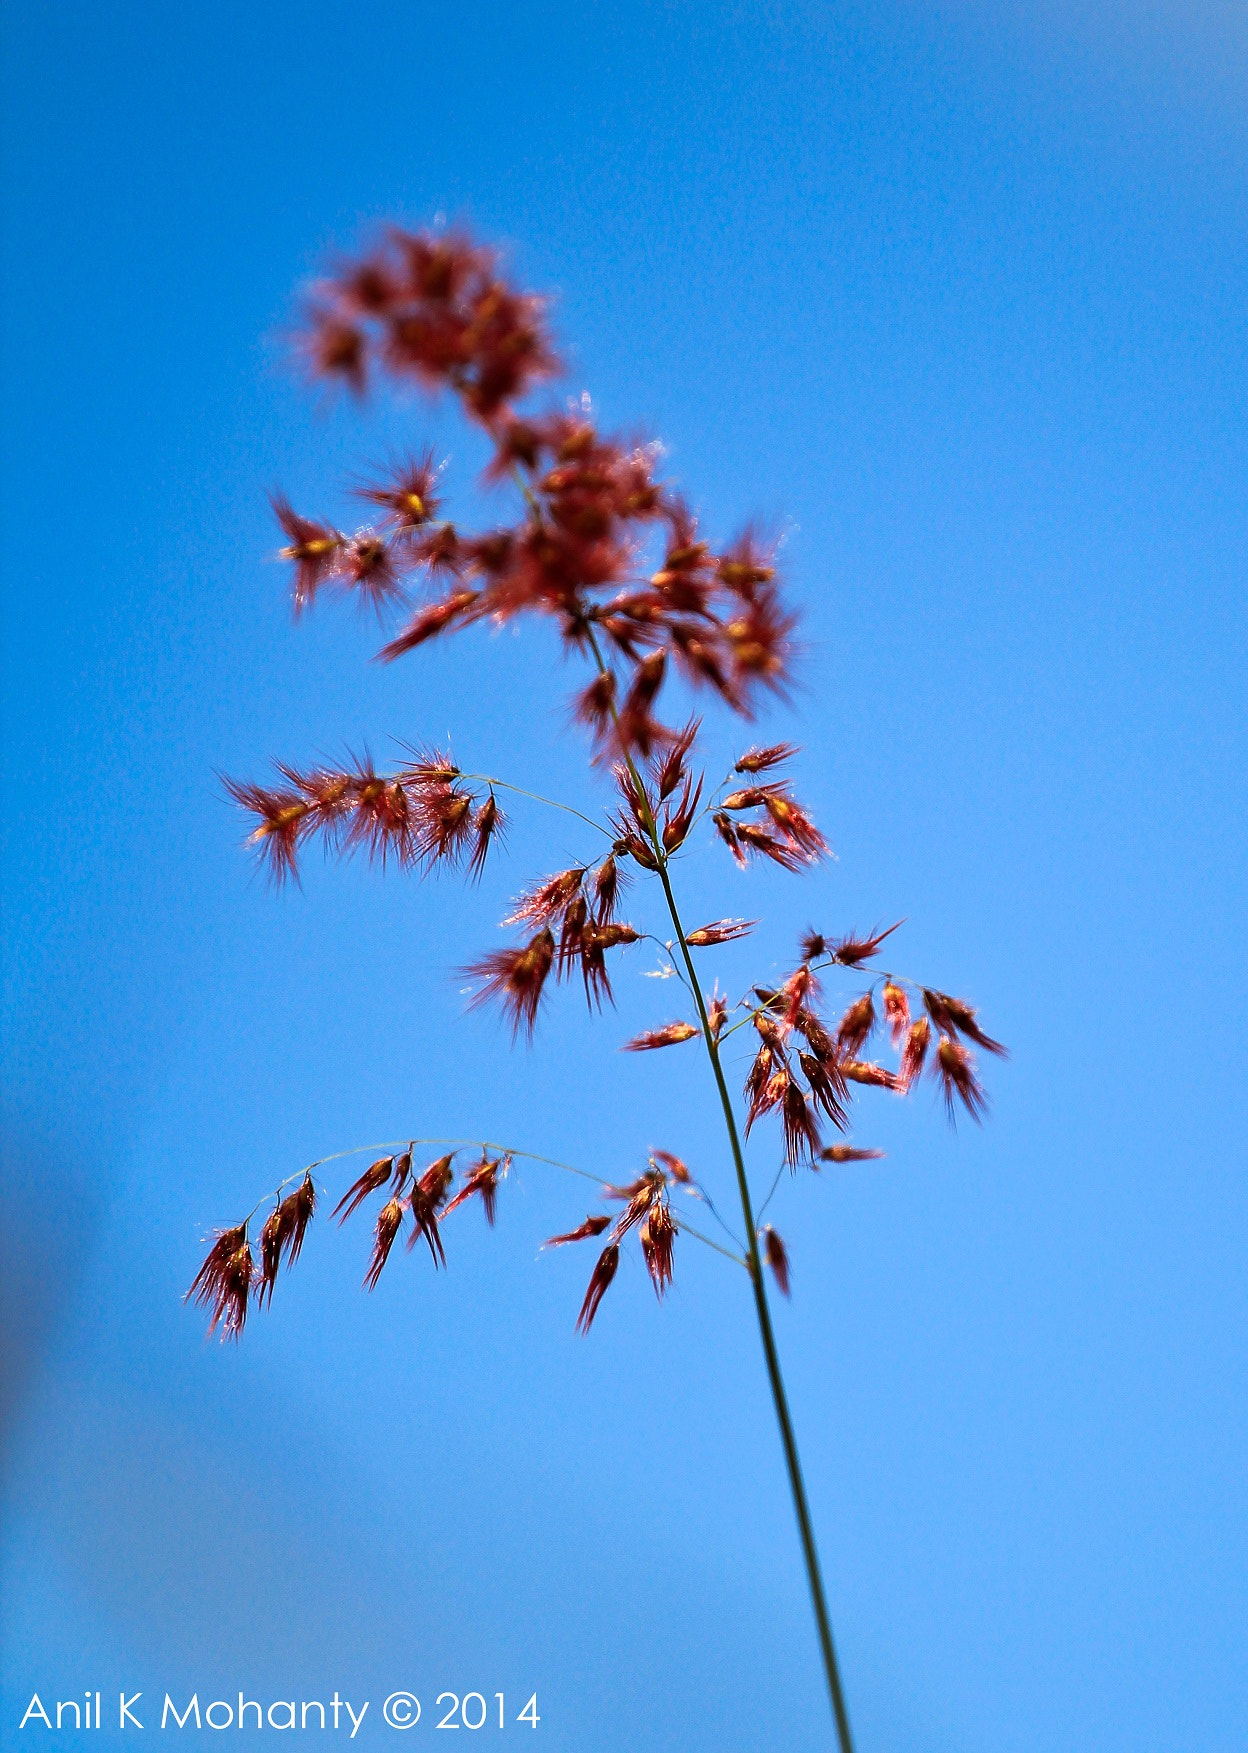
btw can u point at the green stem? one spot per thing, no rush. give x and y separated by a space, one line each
792 1460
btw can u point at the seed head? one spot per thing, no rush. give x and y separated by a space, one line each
896 1011
672 1166
599 1283
875 1076
657 1235
313 548
668 1036
374 1177
515 977
954 1016
224 1281
777 1256
847 1153
721 931
957 1075
482 1180
915 1051
489 825
389 1223
850 951
759 760
855 1026
593 1226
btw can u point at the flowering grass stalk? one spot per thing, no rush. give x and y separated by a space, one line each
614 557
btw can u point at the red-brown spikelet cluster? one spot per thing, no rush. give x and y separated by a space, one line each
576 903
602 546
804 1066
423 816
646 1208
764 819
418 1203
224 1281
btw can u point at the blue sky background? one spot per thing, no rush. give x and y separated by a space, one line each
958 301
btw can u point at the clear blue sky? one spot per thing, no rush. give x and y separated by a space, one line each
958 303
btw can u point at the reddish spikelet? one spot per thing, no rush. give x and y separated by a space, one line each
786 853
770 1030
847 1153
572 933
818 1039
426 1197
777 1256
443 824
595 706
283 823
594 941
717 1015
954 1016
429 766
334 347
678 821
668 1036
760 644
270 1255
302 1206
657 1235
827 1087
957 1075
851 950
772 1095
438 548
813 945
313 548
726 828
854 1028
482 1180
751 797
606 889
746 565
896 1012
488 825
875 1076
402 1169
382 820
374 1177
599 1284
435 618
593 1226
721 931
637 729
756 1083
544 904
759 760
367 564
801 1129
915 1052
639 1195
224 1282
797 827
408 496
282 1236
672 1165
671 769
800 987
389 1223
515 978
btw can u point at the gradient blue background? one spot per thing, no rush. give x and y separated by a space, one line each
956 297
